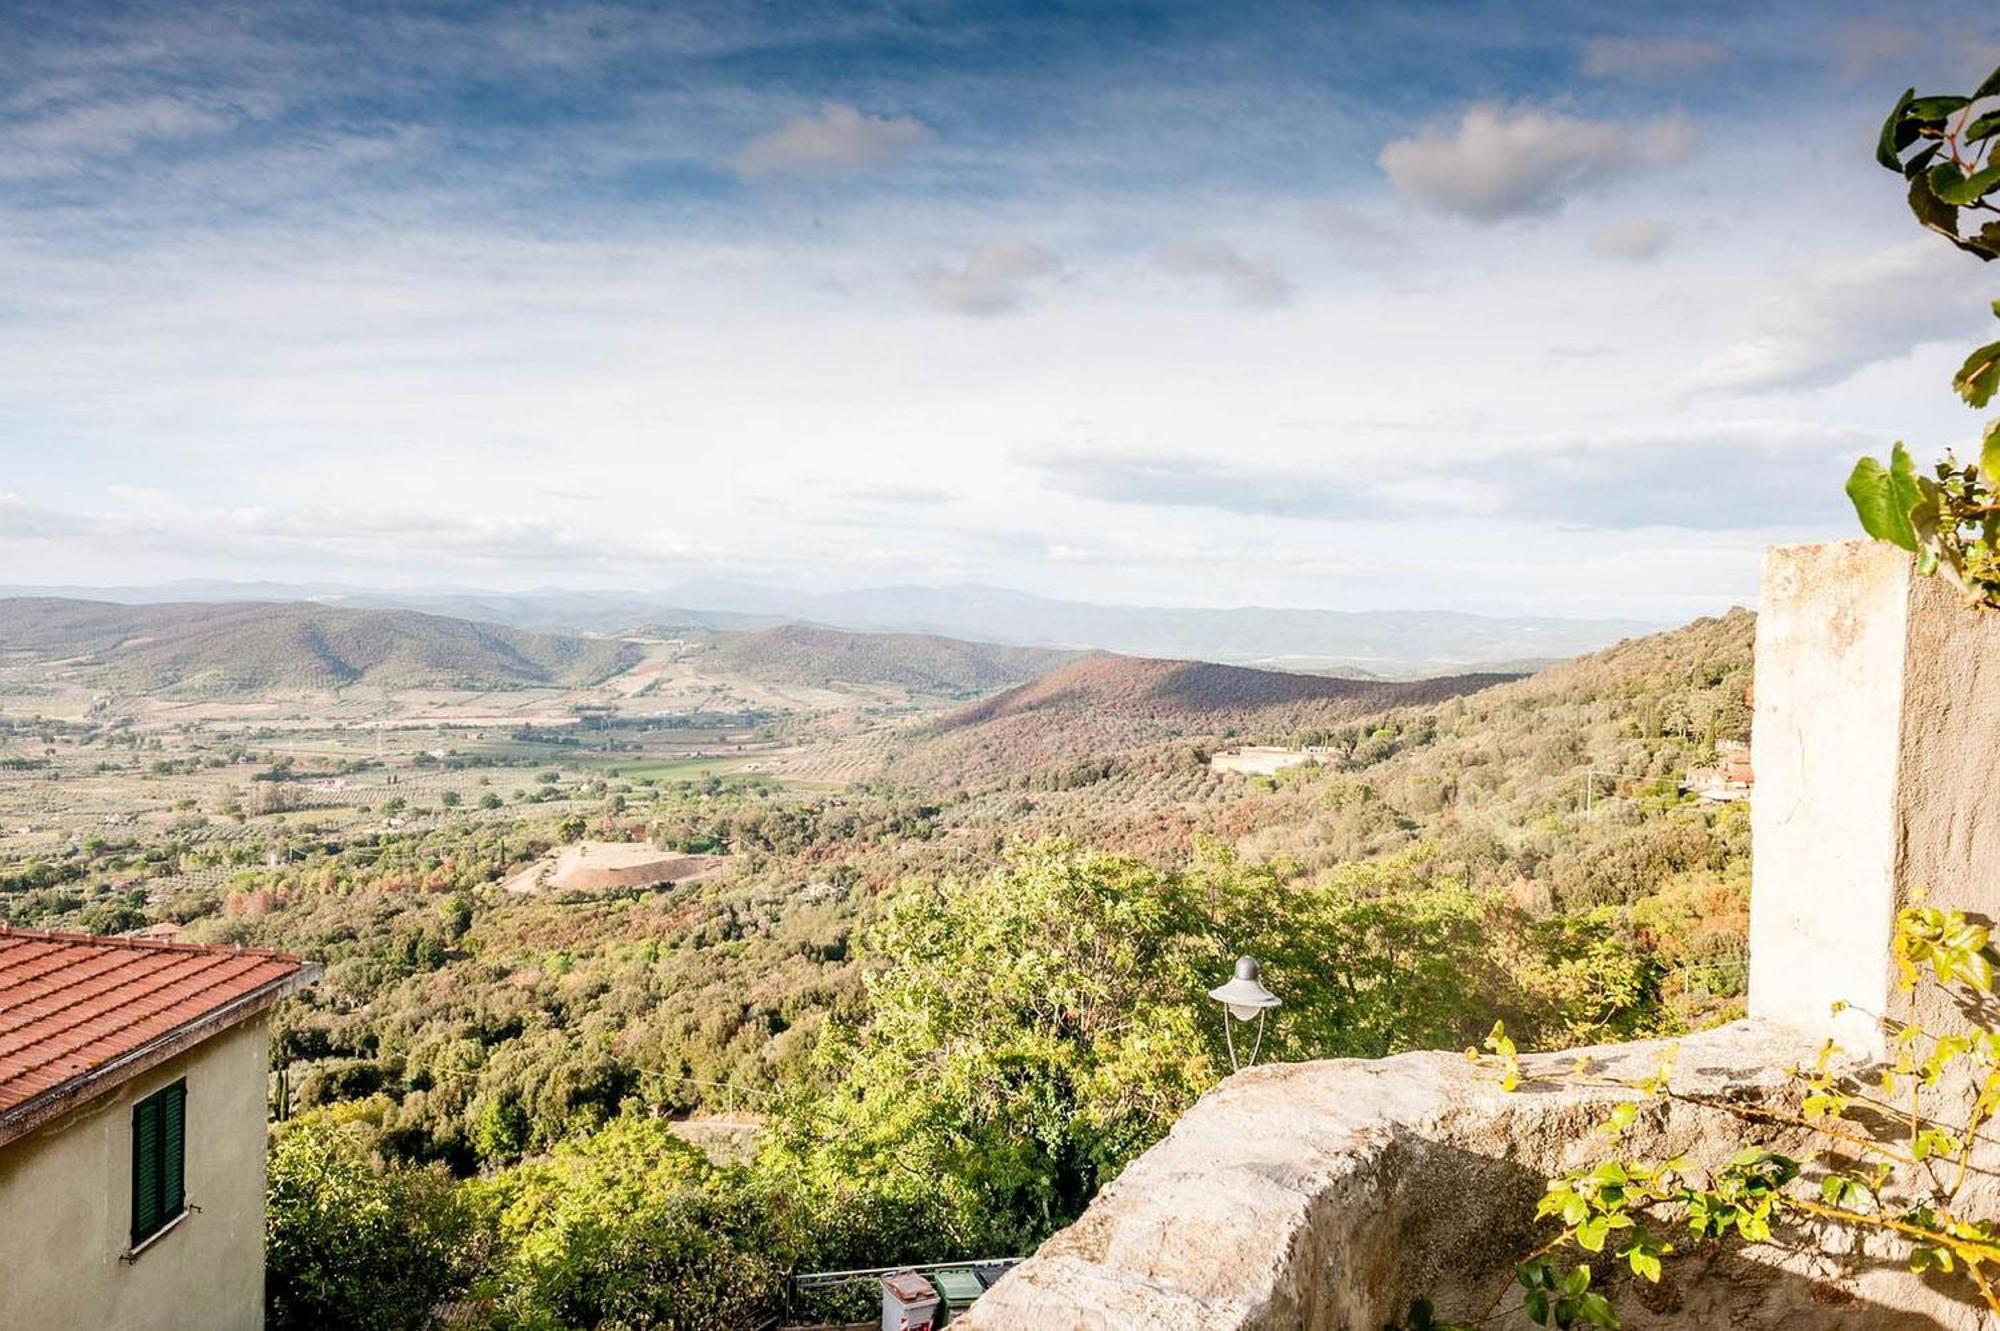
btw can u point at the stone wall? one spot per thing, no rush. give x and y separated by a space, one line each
1324 1196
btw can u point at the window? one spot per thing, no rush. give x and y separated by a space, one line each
159 1137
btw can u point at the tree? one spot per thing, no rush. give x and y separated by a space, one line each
1031 1031
631 1227
354 1246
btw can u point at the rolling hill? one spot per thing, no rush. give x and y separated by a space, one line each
1107 705
1482 771
801 654
219 650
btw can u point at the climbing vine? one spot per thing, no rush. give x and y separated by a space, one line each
1893 1152
1948 517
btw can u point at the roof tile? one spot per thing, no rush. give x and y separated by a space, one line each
71 1003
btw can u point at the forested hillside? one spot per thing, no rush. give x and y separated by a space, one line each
942 667
1104 706
251 648
946 1006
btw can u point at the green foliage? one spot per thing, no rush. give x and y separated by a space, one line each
630 1227
1027 1033
1564 1300
1953 168
1951 519
353 1246
801 654
1955 949
1885 497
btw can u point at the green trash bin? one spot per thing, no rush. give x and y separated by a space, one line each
959 1288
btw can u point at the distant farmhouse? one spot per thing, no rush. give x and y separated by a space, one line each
1731 778
1266 759
133 1098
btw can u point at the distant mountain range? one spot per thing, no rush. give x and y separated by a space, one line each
1389 643
1378 642
245 648
251 647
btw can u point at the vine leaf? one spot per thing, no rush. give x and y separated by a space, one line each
1979 377
1897 133
1935 214
1954 187
1884 498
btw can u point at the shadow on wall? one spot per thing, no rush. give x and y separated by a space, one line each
1456 1206
1328 1196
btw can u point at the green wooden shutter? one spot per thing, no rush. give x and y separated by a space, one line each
159 1173
173 1146
145 1169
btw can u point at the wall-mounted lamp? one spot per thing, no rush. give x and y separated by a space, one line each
1244 998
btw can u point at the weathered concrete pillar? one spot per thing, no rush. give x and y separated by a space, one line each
1877 755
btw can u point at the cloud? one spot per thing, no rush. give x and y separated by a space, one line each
1191 482
68 133
994 279
1728 475
901 496
1943 47
23 521
839 138
1356 231
351 537
1865 44
396 257
1247 283
1829 324
1724 476
1650 59
1498 163
1636 238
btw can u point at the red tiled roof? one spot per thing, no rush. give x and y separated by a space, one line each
79 1015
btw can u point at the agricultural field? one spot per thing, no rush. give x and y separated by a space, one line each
160 734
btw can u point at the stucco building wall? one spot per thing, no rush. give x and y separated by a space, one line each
66 1207
1877 741
1832 631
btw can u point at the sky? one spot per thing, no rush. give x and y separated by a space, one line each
1515 306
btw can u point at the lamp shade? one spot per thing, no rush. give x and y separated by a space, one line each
1245 996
